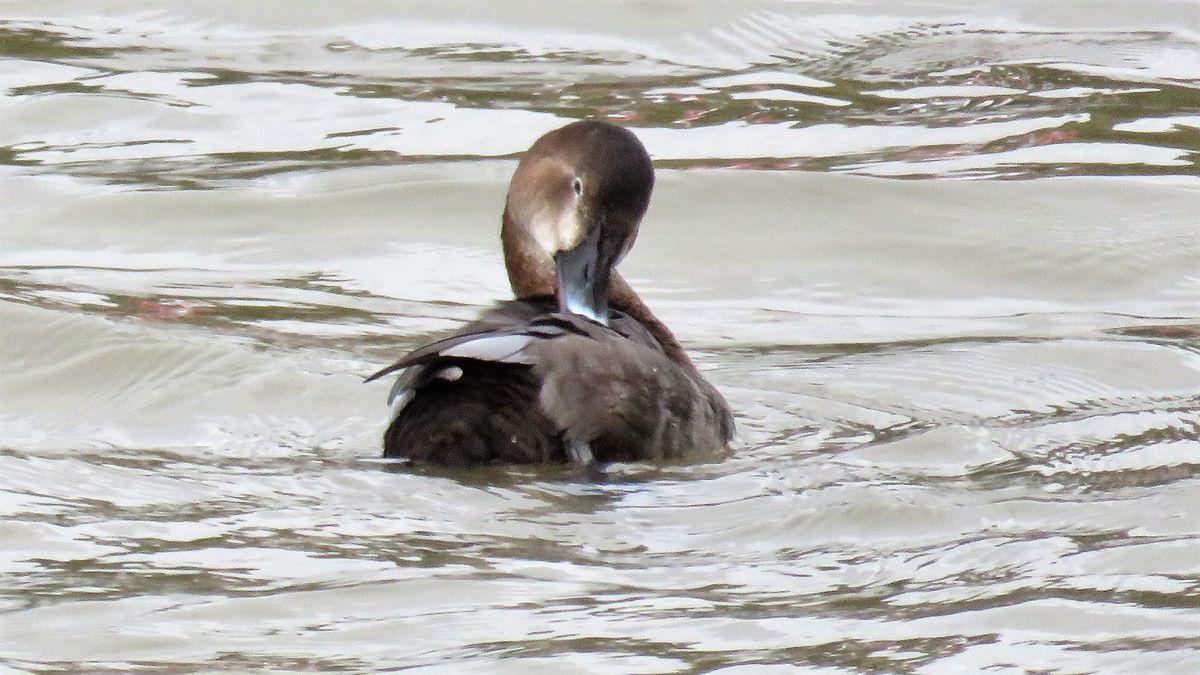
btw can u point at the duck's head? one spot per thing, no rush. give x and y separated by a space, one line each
573 209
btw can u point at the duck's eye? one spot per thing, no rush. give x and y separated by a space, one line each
577 186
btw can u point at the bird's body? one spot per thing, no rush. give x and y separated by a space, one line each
576 369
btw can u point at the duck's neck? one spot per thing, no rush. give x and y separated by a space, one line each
532 275
622 297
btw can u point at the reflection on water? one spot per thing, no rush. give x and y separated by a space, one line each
946 99
969 411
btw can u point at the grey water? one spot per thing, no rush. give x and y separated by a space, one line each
942 259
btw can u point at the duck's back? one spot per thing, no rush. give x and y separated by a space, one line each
630 403
512 386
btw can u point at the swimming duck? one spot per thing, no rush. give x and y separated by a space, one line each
576 368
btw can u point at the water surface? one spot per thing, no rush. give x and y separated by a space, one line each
942 260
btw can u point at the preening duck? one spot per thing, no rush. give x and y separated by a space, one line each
576 368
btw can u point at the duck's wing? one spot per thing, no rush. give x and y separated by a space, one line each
499 344
473 397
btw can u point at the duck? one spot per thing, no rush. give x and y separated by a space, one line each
575 369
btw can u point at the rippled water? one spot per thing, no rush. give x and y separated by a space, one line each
969 409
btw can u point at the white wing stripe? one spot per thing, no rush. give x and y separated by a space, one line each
500 348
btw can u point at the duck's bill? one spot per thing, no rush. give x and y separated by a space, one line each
583 279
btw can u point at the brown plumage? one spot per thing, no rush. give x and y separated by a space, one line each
577 368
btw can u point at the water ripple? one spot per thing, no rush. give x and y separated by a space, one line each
924 101
968 410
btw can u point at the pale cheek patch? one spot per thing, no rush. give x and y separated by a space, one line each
545 232
569 231
547 205
556 229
